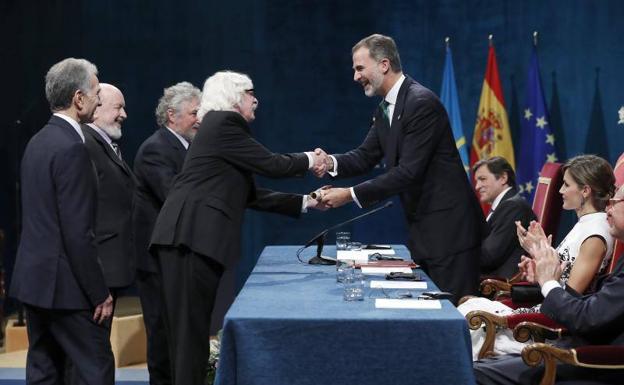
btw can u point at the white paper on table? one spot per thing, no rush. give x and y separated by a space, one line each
359 255
384 270
380 251
398 285
393 303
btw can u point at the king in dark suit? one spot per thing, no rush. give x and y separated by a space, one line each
116 184
198 231
496 185
596 318
57 274
157 162
411 131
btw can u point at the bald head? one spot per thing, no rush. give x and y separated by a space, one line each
110 115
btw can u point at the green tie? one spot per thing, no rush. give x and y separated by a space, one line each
384 105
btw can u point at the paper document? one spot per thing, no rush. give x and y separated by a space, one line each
398 285
391 303
359 255
385 270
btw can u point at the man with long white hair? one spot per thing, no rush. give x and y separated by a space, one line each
198 231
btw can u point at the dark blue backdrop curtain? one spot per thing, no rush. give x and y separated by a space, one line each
298 54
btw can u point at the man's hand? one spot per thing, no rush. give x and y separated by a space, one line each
316 204
336 197
104 310
321 162
548 266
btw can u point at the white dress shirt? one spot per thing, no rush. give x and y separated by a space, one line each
73 124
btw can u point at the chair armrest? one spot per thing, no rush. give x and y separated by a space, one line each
491 288
534 354
476 319
536 326
590 356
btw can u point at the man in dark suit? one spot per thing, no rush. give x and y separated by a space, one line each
116 185
496 185
411 131
157 162
57 274
198 231
596 318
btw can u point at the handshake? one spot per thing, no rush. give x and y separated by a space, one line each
327 196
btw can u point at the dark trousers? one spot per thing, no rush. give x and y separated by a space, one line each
150 292
58 336
455 273
189 283
510 369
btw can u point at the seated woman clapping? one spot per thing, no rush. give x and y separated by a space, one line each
588 184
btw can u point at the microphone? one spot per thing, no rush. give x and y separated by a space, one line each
319 239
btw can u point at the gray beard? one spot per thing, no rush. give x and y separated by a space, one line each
112 132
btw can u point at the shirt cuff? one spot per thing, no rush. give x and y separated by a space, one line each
310 159
334 172
304 204
548 286
357 202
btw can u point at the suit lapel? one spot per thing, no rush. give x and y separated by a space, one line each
396 128
107 148
509 194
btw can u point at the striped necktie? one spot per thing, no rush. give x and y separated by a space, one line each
116 149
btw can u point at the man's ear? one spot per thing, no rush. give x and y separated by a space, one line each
78 99
385 65
505 178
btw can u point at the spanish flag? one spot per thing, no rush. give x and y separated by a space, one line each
491 134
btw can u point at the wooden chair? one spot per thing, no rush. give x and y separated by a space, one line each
607 357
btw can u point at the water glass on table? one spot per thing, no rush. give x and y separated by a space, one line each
342 240
354 287
343 269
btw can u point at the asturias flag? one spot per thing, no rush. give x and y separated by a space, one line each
491 135
537 142
451 103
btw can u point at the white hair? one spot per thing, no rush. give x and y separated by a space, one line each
223 91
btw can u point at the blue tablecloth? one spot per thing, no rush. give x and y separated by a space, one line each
290 325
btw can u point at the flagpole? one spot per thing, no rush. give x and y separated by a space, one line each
447 41
490 38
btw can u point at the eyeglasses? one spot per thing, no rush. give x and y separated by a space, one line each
613 201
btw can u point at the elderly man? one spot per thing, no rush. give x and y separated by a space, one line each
496 185
198 231
57 275
116 186
592 319
157 162
411 131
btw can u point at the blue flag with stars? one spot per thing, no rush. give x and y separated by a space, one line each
451 103
537 142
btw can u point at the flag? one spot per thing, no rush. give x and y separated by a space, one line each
491 135
451 103
537 141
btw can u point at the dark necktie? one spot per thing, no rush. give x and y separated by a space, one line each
116 149
384 105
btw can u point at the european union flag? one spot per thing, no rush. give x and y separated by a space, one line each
537 142
451 103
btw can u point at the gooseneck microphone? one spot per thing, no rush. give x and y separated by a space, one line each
319 239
